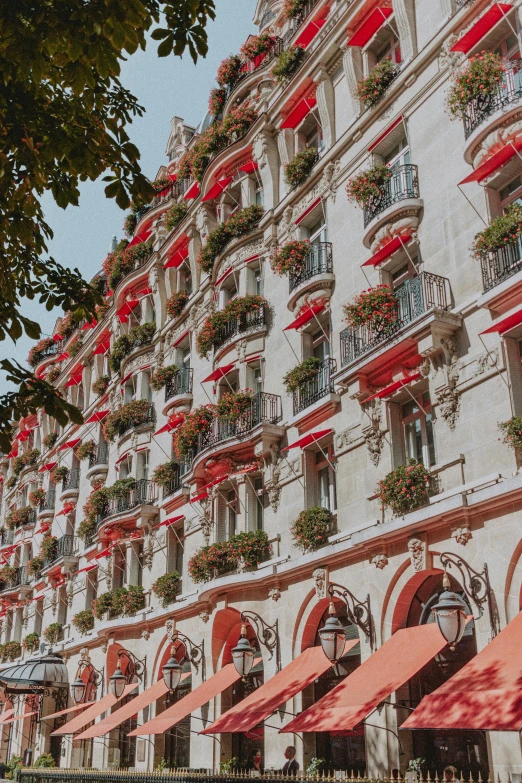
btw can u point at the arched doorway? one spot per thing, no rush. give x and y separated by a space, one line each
172 748
465 751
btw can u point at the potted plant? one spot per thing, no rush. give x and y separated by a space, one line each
217 100
293 8
250 548
306 371
242 222
228 71
18 516
208 559
368 184
175 215
52 374
161 376
138 336
67 325
287 62
512 432
299 169
503 230
233 405
176 303
11 481
128 600
31 642
165 474
480 78
96 503
86 450
257 45
49 549
371 89
132 413
166 587
197 422
35 565
37 351
45 760
84 621
122 487
240 305
406 488
50 440
290 257
59 473
312 528
53 632
101 605
86 529
12 650
377 308
7 573
101 384
36 497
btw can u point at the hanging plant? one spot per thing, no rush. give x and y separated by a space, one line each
287 63
45 760
240 223
122 487
228 71
35 565
176 303
124 345
197 422
86 450
406 488
249 548
58 473
101 605
12 650
7 574
86 529
256 45
503 230
238 122
292 8
166 587
132 414
37 351
480 78
234 405
217 100
303 373
11 482
312 528
126 601
75 347
49 548
368 184
53 632
17 517
300 168
50 440
53 374
124 260
101 384
207 560
94 506
512 432
84 621
240 305
67 326
175 215
377 308
161 183
371 89
31 642
36 497
290 257
166 473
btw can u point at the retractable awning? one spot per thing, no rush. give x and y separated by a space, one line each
70 444
369 27
305 316
393 387
170 521
299 112
493 163
220 372
481 27
506 323
7 714
310 30
307 440
20 717
102 347
256 707
208 690
48 466
179 253
387 250
381 674
173 422
93 712
217 188
484 694
193 191
76 708
98 416
75 378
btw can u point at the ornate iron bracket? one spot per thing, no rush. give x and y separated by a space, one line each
93 680
476 586
267 635
359 612
195 653
135 667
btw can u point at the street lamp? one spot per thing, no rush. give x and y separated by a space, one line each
243 654
78 689
194 654
87 680
450 614
332 636
117 682
171 671
267 635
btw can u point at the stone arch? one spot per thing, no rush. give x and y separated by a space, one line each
310 625
513 584
403 586
226 622
162 655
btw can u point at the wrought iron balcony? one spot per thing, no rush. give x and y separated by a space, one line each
71 480
508 91
20 577
501 264
318 261
298 20
181 383
143 492
52 350
311 391
49 501
403 184
244 323
6 537
148 417
174 484
65 547
250 66
414 298
100 456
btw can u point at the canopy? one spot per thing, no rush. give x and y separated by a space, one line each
98 416
47 671
75 378
310 30
173 422
5 715
506 323
305 316
387 250
307 440
393 387
481 27
193 191
217 188
484 694
369 27
219 373
249 167
90 714
299 112
126 309
102 347
208 690
493 163
179 252
252 710
392 665
76 708
46 467
170 521
20 717
70 444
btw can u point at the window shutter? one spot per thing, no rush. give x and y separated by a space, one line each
515 374
221 519
395 432
310 477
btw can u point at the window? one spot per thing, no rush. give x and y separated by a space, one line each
391 51
185 358
314 137
417 424
258 281
318 232
257 506
185 277
259 199
231 512
321 345
511 194
178 563
509 48
125 467
142 465
326 485
146 391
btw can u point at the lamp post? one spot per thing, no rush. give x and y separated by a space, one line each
268 636
87 679
133 673
332 635
450 614
194 654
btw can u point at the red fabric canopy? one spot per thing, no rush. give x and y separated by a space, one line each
5 715
484 694
299 112
307 440
75 378
86 568
68 507
139 238
370 26
93 712
19 717
62 357
76 708
387 250
385 133
97 416
392 387
70 444
494 162
249 167
506 323
127 309
193 191
219 373
482 26
305 316
217 188
89 325
103 347
170 521
173 422
307 35
392 665
47 466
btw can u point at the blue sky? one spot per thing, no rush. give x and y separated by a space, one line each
166 87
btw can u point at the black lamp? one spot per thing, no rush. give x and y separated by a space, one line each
171 672
78 690
332 636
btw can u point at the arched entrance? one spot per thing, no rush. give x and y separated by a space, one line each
173 747
465 751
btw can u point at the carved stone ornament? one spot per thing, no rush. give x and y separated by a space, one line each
407 226
327 186
145 634
148 553
25 615
497 140
462 534
54 601
69 591
373 434
417 550
274 593
320 577
204 615
104 646
379 561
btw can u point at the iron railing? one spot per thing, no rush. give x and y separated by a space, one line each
51 350
318 261
143 492
147 417
250 66
297 21
313 390
65 547
403 184
6 537
71 480
49 501
174 484
507 91
90 540
181 383
100 456
414 298
243 323
501 264
20 577
182 775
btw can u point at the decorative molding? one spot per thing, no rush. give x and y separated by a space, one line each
374 434
417 550
379 561
405 226
320 577
462 534
274 593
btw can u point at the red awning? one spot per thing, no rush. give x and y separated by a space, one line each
98 416
5 715
14 453
93 712
385 133
370 26
310 208
47 466
484 694
89 325
481 27
193 191
217 188
75 378
76 708
143 292
173 422
141 237
310 30
57 338
299 112
70 444
305 316
393 387
219 373
180 338
68 507
85 569
208 690
249 167
127 309
62 357
103 553
252 710
102 347
180 252
170 521
20 717
506 323
390 667
126 378
493 163
387 250
307 440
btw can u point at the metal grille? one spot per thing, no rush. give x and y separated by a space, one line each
100 456
66 545
501 264
403 184
414 297
318 261
20 577
147 417
6 537
181 383
71 480
311 391
143 493
174 484
244 323
508 91
49 500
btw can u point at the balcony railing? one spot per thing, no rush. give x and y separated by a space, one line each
100 456
312 391
501 264
71 480
66 547
6 537
244 323
174 484
250 66
403 184
298 20
148 417
49 501
52 350
508 91
143 493
20 577
181 383
415 297
264 409
318 261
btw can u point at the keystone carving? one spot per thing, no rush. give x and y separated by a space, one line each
379 561
169 628
204 615
461 534
320 576
274 593
373 434
417 550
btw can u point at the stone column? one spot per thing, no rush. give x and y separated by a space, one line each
405 17
285 145
353 71
326 107
265 154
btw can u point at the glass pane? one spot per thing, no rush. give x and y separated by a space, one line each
409 408
431 442
413 440
323 485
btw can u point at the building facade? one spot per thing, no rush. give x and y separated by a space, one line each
196 317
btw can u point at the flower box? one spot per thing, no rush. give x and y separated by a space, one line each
287 63
195 423
480 78
371 89
512 432
290 257
166 587
299 169
306 371
132 414
377 308
176 303
368 184
53 632
86 450
406 488
503 230
84 621
312 528
240 305
240 223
